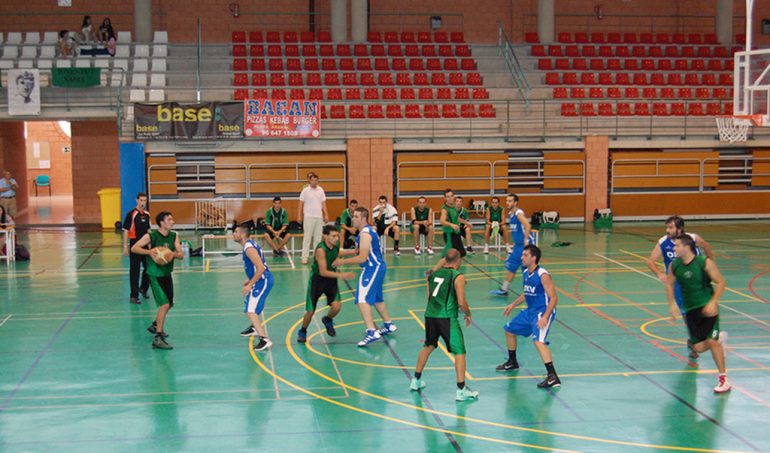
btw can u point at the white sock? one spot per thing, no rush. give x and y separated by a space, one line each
506 285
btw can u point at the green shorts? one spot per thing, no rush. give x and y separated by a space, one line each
162 290
448 330
453 241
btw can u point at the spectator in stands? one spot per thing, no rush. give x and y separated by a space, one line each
8 188
312 213
86 31
111 47
106 32
68 45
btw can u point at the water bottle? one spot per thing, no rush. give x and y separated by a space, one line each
186 249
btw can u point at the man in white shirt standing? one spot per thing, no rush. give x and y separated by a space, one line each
312 213
8 188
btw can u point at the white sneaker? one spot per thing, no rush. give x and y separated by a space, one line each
387 329
466 394
417 250
486 249
723 385
430 250
416 385
369 338
509 249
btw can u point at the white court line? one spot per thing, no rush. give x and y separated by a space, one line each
272 363
752 240
291 261
4 320
334 362
654 278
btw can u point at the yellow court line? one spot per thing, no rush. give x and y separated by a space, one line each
312 349
292 352
625 373
441 346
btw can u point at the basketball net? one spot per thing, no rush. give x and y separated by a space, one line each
735 129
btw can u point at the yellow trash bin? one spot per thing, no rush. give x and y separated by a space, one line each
109 199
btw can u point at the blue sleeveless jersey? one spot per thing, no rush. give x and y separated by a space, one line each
517 229
375 253
248 266
534 293
666 245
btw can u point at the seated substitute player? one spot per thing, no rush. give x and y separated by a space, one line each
161 282
256 287
386 219
494 217
446 297
520 229
348 233
422 224
700 302
535 320
373 268
323 282
277 226
665 248
450 225
466 228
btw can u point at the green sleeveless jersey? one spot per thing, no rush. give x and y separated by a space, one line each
694 282
451 217
276 220
331 255
158 240
463 214
442 298
346 218
421 215
496 215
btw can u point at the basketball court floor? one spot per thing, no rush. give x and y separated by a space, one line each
77 372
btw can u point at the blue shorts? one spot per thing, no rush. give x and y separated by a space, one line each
513 263
525 324
370 282
255 300
678 297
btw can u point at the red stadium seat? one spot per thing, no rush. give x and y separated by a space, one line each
374 111
277 79
531 37
588 78
552 78
577 93
389 93
480 93
239 50
660 38
307 37
425 93
678 38
694 38
605 51
363 64
624 109
314 79
544 64
639 51
665 65
293 64
614 38
361 50
444 93
398 64
675 80
724 79
605 109
677 109
275 64
403 79
240 95
393 111
408 36
613 64
291 51
278 94
579 64
554 51
695 109
385 79
487 111
587 110
597 64
632 92
273 36
640 79
596 93
326 50
562 64
337 112
667 93
659 109
630 38
684 93
613 93
352 94
239 64
622 79
356 111
374 36
655 51
597 38
416 64
331 79
688 52
560 93
257 64
316 93
641 109
565 37
713 109
569 110
570 78
297 93
657 78
630 65
720 93
260 93
437 79
239 36
308 50
691 79
258 79
346 64
431 111
349 79
343 50
424 36
468 111
256 36
697 65
377 50
295 79
324 36
588 51
462 93
413 111
649 93
257 50
406 93
334 94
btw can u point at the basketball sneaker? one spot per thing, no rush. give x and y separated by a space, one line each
263 344
329 324
469 249
416 385
417 250
249 332
486 249
396 251
160 342
723 385
508 366
302 336
693 354
388 328
466 394
153 329
370 337
498 292
135 300
430 250
551 380
144 294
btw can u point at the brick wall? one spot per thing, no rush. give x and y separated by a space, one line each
13 157
371 170
95 165
61 162
597 174
478 19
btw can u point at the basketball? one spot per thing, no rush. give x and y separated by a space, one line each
164 256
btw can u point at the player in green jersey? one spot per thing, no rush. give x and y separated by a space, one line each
700 301
277 226
422 224
494 217
446 298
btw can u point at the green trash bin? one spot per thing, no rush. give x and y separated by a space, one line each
109 200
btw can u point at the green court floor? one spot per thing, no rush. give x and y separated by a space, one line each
77 372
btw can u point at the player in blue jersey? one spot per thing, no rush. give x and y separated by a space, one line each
520 230
665 248
535 320
369 290
256 287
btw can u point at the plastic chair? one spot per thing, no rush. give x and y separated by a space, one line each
43 181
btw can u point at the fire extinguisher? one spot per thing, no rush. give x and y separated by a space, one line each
235 9
599 10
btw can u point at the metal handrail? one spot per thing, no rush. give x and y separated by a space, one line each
679 23
541 164
299 178
702 174
505 49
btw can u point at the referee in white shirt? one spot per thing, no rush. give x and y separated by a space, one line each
312 213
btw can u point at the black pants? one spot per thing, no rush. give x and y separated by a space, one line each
138 261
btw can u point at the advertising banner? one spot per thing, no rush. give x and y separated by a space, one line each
178 121
282 118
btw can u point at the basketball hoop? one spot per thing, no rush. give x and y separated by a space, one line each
735 129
